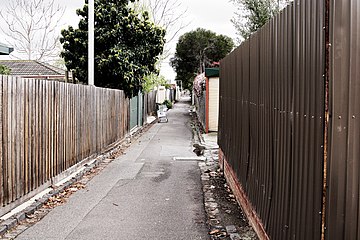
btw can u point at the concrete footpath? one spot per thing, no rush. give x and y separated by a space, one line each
144 194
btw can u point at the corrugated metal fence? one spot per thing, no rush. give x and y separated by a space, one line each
47 127
272 121
343 210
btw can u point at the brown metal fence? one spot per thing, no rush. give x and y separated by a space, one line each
343 210
47 127
271 120
287 96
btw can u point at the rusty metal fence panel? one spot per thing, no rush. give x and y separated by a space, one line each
271 120
343 208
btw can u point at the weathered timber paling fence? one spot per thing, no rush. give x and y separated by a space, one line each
150 101
273 110
47 127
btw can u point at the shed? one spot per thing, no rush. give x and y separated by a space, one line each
212 99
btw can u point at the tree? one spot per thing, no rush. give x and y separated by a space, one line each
196 50
127 46
4 70
166 14
253 14
31 26
153 80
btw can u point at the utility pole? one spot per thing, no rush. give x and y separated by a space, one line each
91 44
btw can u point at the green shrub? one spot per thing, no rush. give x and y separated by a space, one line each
168 104
4 70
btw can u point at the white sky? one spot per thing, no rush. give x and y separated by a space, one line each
70 17
213 15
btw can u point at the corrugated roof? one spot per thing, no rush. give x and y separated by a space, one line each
31 68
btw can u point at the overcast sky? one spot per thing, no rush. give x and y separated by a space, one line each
70 17
214 15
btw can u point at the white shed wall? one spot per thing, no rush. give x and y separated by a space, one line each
213 103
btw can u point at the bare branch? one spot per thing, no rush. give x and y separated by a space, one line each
170 15
32 26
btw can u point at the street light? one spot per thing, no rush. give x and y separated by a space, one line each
91 44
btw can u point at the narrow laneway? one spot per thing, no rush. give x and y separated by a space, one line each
144 194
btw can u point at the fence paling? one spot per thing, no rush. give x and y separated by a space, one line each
150 99
47 127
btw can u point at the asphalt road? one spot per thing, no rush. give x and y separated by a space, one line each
144 194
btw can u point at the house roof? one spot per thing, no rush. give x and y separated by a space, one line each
211 72
31 68
5 50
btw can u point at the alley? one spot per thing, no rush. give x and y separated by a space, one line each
144 194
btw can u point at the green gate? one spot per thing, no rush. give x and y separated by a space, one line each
140 109
134 112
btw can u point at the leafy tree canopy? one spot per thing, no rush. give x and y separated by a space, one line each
4 70
127 46
253 14
196 50
153 80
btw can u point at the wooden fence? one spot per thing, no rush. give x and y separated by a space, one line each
150 103
47 127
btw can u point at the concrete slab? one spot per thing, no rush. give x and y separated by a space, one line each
150 119
172 151
210 140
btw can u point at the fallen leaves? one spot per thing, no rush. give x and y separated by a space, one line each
116 154
55 201
62 197
214 231
218 233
